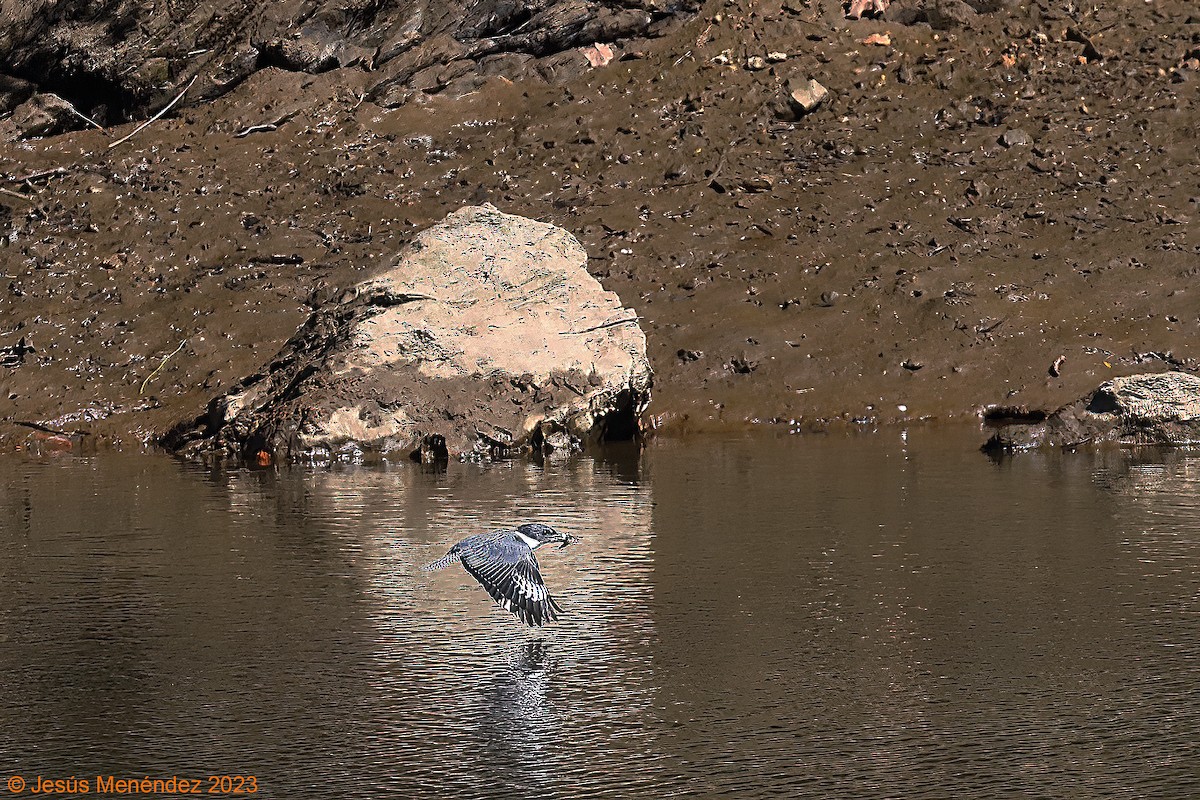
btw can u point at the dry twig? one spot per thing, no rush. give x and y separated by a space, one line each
18 195
599 327
45 173
266 126
165 109
85 118
160 366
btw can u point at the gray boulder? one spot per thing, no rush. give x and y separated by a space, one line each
1152 409
487 336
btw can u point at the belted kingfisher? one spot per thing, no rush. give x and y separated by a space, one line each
504 564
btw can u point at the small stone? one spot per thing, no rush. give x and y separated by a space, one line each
866 8
776 57
690 355
598 55
742 365
805 96
432 450
828 299
1056 367
763 183
911 365
41 115
1014 137
558 442
14 355
977 189
675 172
756 63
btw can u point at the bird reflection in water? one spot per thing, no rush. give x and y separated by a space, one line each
521 721
520 692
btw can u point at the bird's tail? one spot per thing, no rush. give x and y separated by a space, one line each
444 561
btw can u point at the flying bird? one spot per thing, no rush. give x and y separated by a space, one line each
504 564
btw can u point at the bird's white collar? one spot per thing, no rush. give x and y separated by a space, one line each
534 544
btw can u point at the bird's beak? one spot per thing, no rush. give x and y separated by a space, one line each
569 540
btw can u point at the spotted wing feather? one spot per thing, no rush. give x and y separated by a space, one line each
508 570
480 541
445 561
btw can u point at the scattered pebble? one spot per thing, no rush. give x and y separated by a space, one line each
598 55
1014 137
742 366
1056 367
866 8
755 63
763 183
675 171
803 96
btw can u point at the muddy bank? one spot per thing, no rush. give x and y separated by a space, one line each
988 204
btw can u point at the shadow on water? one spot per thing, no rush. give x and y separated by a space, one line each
752 617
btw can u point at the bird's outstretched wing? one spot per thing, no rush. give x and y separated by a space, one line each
480 541
509 572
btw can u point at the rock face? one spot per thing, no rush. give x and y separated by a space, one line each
1154 409
487 336
117 61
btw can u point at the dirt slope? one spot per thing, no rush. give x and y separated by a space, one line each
971 202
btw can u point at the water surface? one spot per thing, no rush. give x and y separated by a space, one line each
825 617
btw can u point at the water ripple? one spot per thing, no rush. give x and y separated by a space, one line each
750 618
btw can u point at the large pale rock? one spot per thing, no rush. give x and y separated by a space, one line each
487 333
1151 409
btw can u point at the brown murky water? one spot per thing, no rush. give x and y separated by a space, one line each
882 616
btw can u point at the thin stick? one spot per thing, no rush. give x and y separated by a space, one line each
266 126
33 176
37 426
270 126
83 116
165 109
160 366
18 195
598 327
